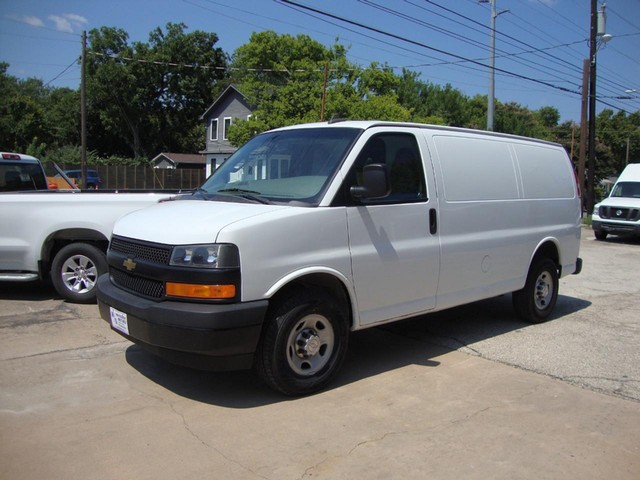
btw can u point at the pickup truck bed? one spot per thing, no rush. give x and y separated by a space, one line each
62 235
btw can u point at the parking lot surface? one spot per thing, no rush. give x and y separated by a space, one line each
469 393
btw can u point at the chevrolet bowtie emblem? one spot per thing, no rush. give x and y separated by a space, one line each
129 264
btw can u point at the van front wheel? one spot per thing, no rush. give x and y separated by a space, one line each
535 302
304 343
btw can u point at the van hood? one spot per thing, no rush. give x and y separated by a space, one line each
186 221
624 202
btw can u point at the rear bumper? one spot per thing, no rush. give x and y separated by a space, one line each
578 266
204 336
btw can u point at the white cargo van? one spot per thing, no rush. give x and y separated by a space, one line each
619 213
311 231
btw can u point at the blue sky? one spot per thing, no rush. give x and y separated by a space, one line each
540 44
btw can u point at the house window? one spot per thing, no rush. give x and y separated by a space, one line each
227 124
213 130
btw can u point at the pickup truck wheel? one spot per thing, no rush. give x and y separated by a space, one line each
536 300
304 343
75 271
600 235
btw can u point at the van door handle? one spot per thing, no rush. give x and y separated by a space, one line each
433 221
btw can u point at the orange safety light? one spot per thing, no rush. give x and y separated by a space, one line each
207 292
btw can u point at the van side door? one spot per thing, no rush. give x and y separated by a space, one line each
394 241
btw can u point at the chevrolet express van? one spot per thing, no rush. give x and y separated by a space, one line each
619 213
309 232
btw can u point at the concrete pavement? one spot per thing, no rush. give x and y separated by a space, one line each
462 394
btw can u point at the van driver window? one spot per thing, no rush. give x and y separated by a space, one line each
400 153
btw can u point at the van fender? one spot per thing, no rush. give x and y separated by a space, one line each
548 247
299 275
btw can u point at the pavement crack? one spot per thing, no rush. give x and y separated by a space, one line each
66 350
193 434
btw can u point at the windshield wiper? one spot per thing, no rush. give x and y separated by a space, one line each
248 194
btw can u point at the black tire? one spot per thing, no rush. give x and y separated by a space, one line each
600 235
304 343
535 302
75 271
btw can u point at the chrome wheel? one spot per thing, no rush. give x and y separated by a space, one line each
79 273
310 345
75 270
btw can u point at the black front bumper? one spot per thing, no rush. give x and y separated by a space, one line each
198 335
616 228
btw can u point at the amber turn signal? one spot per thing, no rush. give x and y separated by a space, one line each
208 292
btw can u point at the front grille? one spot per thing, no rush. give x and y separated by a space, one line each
152 253
142 286
619 213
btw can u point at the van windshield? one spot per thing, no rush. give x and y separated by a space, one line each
284 167
627 190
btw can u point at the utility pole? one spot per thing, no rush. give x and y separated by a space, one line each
83 110
492 65
591 193
324 91
597 37
492 69
583 130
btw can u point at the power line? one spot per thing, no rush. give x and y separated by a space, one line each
423 45
61 73
514 57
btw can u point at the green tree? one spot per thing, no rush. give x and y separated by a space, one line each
148 97
286 77
548 116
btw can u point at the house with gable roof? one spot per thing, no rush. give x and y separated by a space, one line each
229 106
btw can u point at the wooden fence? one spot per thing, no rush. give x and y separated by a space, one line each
144 178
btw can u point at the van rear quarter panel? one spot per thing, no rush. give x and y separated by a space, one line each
500 198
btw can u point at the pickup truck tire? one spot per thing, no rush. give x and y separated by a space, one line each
536 300
75 271
600 235
304 343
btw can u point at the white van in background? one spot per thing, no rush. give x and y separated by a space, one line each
619 213
312 231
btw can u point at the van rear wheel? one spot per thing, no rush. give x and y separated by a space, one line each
304 343
535 302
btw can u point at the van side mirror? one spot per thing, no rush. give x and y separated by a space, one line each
375 182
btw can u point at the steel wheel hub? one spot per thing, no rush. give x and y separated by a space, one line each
544 291
310 345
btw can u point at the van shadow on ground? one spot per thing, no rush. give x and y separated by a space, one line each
416 341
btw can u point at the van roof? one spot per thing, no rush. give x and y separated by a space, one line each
366 124
631 173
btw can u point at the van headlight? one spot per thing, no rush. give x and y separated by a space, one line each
596 209
205 256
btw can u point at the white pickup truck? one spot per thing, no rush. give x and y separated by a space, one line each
61 234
